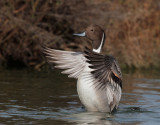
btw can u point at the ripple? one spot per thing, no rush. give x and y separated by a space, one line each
35 99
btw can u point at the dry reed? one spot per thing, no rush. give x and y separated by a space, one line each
132 27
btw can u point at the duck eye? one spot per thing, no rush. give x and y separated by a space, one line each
92 30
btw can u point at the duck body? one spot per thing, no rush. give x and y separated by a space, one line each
90 98
99 78
99 94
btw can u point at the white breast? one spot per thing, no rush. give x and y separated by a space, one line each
88 94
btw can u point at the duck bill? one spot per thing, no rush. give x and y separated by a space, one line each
80 34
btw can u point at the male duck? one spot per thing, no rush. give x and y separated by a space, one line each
99 77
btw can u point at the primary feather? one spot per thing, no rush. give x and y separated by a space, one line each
72 62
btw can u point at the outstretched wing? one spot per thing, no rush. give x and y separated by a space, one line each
105 68
72 62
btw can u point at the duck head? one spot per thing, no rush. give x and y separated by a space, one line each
96 35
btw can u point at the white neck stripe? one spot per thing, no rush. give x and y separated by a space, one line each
100 47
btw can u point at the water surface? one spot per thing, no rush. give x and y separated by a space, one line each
32 97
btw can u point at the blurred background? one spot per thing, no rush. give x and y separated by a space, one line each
31 93
132 28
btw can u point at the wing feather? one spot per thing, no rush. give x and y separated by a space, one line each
73 63
105 68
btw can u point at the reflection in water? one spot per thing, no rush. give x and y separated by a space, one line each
30 97
91 118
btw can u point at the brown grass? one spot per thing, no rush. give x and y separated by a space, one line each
136 39
132 27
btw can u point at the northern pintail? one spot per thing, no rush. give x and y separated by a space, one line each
99 83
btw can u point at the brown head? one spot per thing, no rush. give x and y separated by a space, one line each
96 35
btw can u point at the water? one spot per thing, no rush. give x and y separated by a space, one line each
32 97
